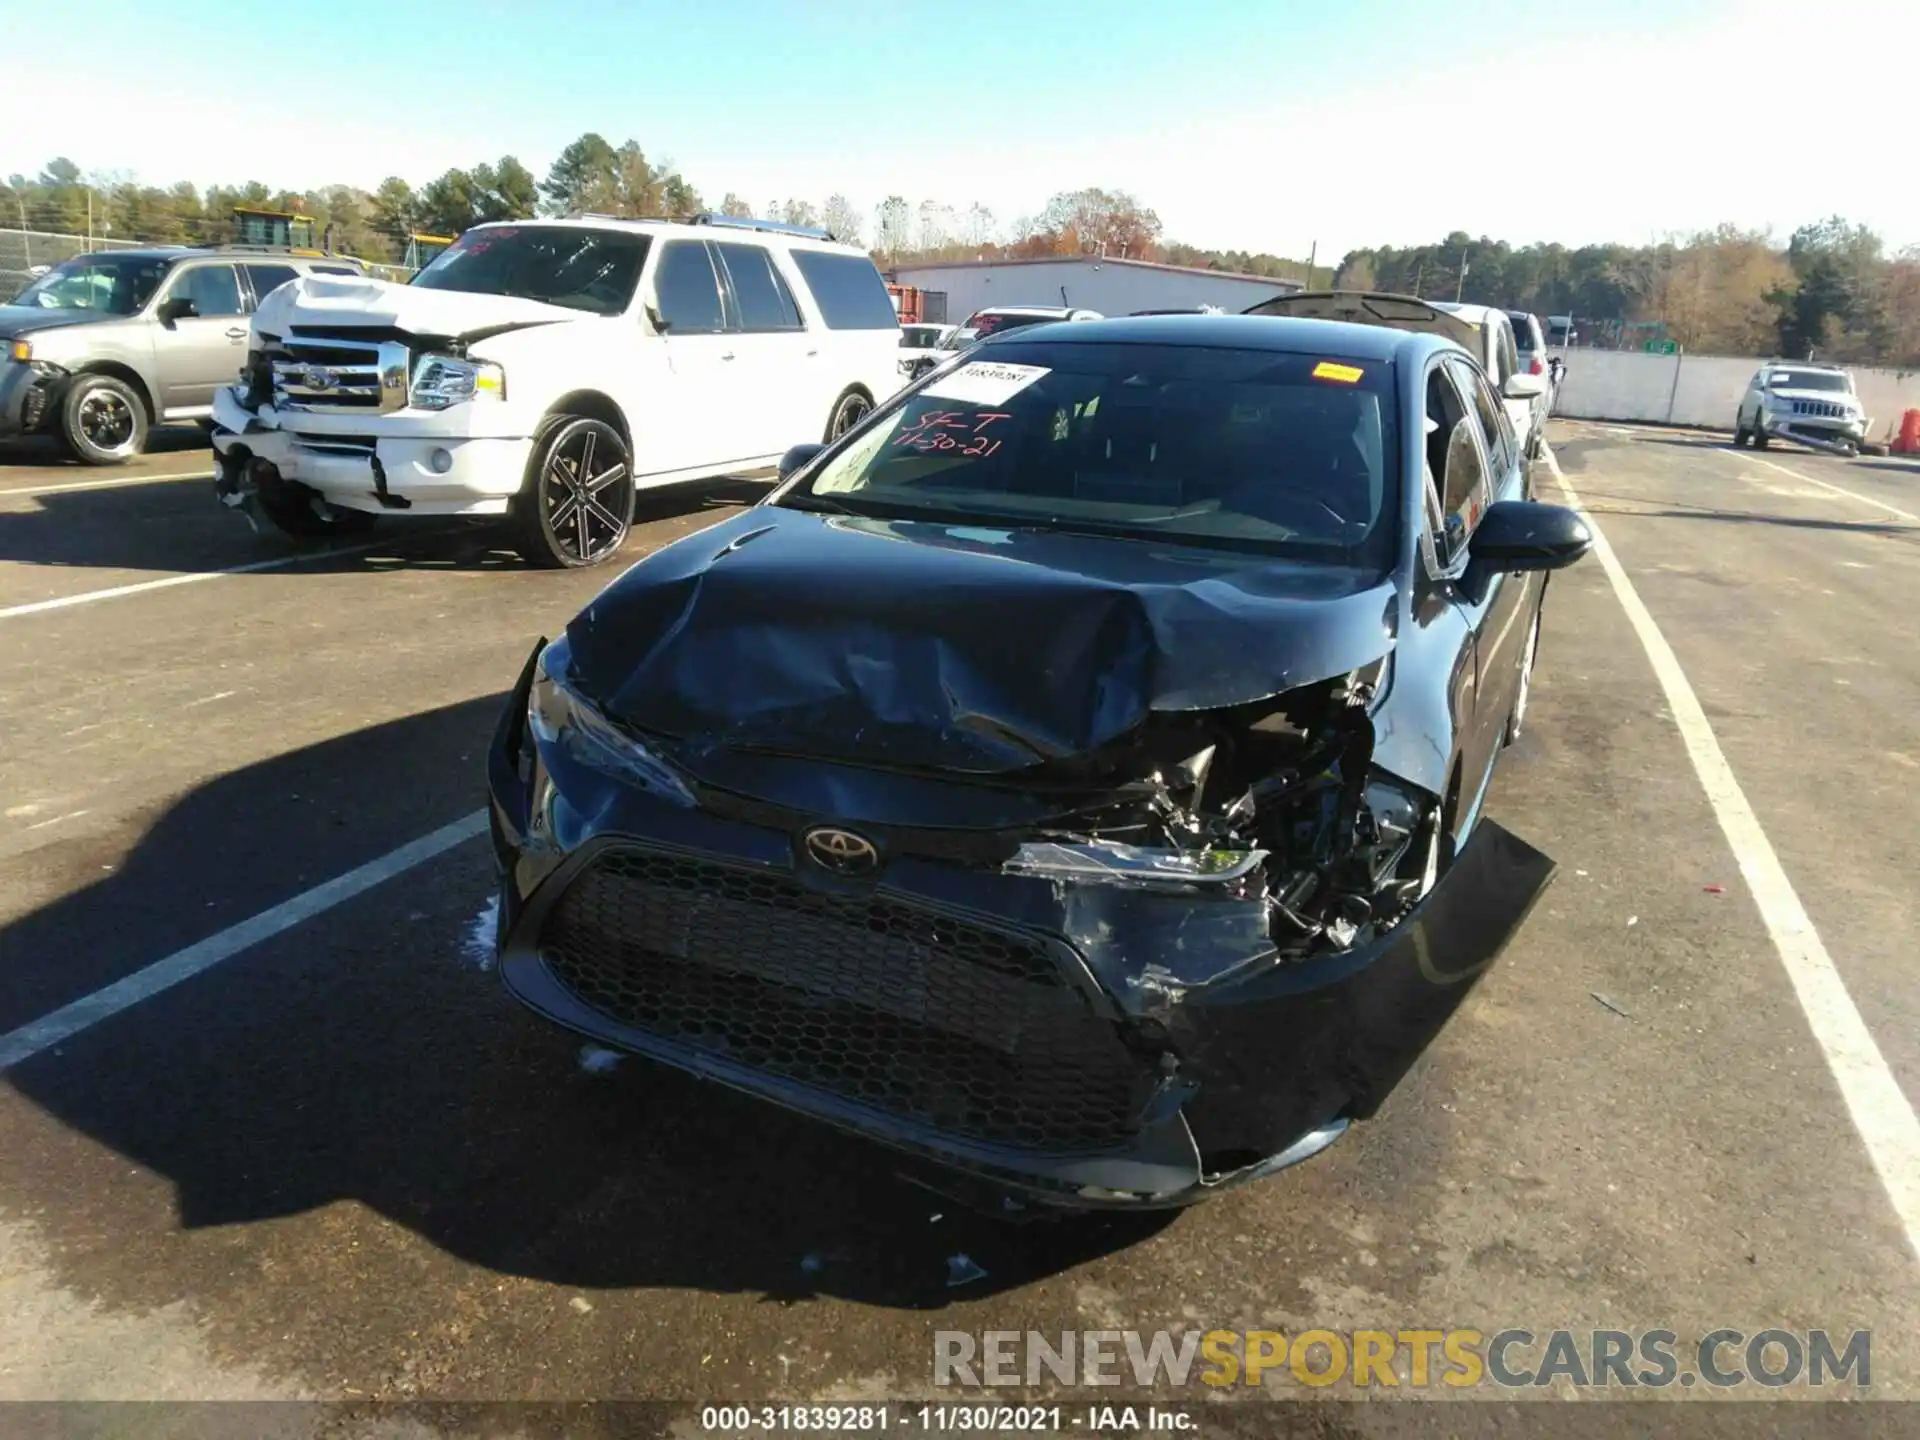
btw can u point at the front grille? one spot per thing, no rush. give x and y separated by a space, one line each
966 1029
1819 407
331 373
360 446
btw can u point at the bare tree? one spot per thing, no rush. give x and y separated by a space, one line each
841 219
935 228
892 227
977 228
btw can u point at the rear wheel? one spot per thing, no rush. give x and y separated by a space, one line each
848 411
103 420
576 506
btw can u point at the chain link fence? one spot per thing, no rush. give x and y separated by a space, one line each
24 252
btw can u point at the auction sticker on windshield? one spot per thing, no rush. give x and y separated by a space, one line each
982 383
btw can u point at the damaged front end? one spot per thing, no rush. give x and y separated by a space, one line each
1125 977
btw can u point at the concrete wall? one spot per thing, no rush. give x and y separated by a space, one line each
1701 390
1112 289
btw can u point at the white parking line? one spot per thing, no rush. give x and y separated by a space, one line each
1836 489
105 484
69 1020
1880 1110
87 597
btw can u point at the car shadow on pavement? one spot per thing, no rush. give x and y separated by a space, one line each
362 1057
1895 464
178 526
43 451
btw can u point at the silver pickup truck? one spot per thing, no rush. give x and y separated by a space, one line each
103 347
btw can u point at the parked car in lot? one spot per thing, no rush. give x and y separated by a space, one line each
1809 404
101 348
1155 900
543 370
1484 332
923 347
997 319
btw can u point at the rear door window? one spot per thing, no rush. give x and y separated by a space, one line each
687 291
266 279
760 294
214 289
849 291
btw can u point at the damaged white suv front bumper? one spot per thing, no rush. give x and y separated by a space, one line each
464 461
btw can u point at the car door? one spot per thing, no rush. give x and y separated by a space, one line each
705 423
770 349
196 354
1505 606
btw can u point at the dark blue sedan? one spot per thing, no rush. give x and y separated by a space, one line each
1073 775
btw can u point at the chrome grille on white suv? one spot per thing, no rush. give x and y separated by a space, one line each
312 373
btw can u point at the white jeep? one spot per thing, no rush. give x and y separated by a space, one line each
544 370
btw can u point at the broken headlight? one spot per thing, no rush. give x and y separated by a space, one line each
443 381
560 717
1105 862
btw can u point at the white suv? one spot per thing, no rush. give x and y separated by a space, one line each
1809 404
543 370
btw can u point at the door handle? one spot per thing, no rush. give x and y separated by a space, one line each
811 354
727 356
236 334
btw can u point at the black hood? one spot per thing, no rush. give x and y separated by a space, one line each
17 321
955 647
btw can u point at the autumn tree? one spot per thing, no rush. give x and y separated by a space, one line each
841 219
893 225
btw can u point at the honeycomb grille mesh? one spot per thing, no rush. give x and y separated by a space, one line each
966 1029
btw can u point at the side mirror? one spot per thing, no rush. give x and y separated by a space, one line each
656 319
179 309
798 456
1528 535
1524 387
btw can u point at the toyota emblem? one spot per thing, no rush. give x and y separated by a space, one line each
841 851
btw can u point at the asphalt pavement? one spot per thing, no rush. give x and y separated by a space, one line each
324 1156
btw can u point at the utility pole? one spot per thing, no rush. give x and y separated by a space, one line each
1419 275
1313 253
1460 285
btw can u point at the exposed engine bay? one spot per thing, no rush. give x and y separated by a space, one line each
1275 800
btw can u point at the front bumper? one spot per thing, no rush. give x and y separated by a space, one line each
1198 1059
1837 435
370 470
27 397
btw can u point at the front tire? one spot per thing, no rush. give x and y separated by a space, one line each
103 420
1759 435
848 411
1740 433
576 507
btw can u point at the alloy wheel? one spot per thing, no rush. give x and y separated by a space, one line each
106 420
850 412
586 492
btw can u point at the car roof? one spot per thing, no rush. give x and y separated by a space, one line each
680 230
223 252
1278 333
1472 314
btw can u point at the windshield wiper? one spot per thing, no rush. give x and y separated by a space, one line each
819 504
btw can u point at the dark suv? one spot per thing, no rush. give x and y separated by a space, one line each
102 347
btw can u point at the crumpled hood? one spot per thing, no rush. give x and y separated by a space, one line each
17 321
953 647
355 300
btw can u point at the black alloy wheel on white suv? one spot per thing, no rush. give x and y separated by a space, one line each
576 507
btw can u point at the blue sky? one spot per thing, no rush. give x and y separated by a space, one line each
1257 125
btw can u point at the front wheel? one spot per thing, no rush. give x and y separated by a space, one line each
1740 434
103 420
576 507
1759 435
848 411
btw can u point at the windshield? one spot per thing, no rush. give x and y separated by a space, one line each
591 270
111 285
1810 380
919 337
987 323
1227 449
